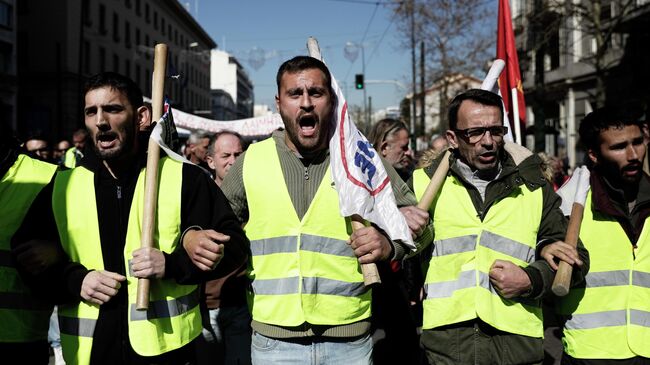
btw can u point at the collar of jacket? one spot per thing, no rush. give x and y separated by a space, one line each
93 163
607 199
519 166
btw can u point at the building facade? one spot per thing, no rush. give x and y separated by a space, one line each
8 74
62 43
575 56
228 74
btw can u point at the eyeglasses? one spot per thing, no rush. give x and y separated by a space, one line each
473 135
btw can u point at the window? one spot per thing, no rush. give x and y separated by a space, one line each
85 13
146 13
116 62
169 32
102 19
138 74
146 44
127 34
127 67
147 85
6 50
5 15
116 31
86 59
155 20
162 23
127 3
137 36
176 36
102 59
138 10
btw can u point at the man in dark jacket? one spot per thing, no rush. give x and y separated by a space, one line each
492 214
608 318
98 206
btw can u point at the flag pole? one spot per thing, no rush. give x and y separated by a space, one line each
369 271
151 172
515 115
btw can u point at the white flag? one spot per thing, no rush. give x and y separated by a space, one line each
575 189
360 178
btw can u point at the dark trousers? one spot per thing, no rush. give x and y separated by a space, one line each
27 353
568 360
477 343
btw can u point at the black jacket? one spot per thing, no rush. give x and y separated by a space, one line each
202 204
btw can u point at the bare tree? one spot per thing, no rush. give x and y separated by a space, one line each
592 32
459 36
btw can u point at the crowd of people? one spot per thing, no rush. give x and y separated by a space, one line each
253 263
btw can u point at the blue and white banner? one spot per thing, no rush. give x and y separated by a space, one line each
360 178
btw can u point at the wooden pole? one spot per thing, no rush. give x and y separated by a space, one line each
562 281
436 182
151 173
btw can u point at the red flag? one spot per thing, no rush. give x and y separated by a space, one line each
507 51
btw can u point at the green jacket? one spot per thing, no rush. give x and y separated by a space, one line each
520 166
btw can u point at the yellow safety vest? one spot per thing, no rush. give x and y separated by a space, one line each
23 317
173 318
301 270
610 317
457 283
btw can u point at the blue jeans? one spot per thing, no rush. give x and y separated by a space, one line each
311 351
53 334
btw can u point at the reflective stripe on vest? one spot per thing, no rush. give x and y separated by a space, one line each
308 242
301 269
82 327
166 308
309 286
173 319
609 318
23 316
457 283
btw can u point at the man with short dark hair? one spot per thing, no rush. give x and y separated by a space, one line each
308 300
493 212
37 147
98 209
24 311
608 318
58 154
76 153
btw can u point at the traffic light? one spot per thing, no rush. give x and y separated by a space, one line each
358 81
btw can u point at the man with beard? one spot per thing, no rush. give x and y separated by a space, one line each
494 211
98 209
608 318
307 296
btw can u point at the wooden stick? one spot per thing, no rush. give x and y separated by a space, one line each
436 182
562 281
151 173
369 271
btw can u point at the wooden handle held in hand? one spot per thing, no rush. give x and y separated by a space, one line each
562 281
151 173
369 271
436 182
